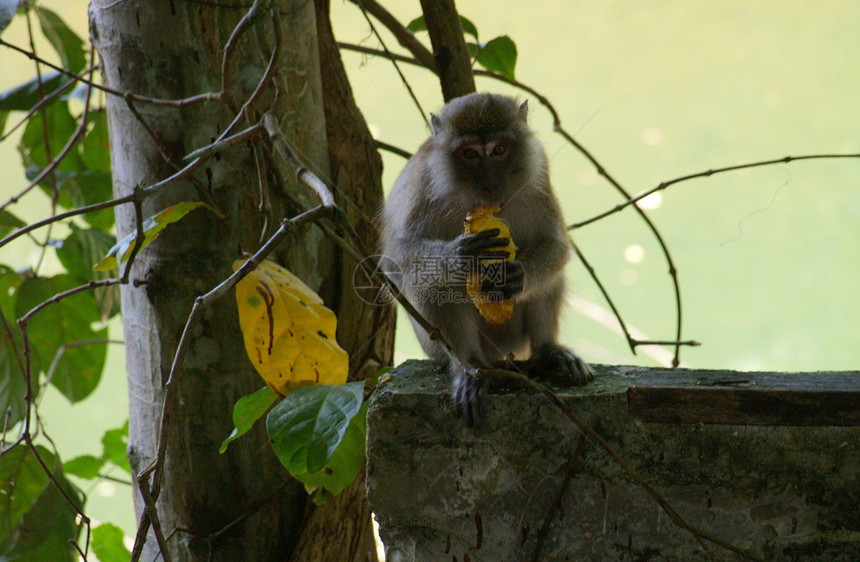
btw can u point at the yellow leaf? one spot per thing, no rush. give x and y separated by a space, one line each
289 334
479 220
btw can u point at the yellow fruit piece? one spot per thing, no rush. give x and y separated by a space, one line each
289 335
479 220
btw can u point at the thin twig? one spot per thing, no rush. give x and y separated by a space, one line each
230 47
673 271
593 274
302 173
663 185
218 145
405 37
151 513
69 214
393 149
46 142
159 142
139 236
393 60
24 320
51 167
52 477
47 99
198 98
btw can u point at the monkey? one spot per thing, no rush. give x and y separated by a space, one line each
481 152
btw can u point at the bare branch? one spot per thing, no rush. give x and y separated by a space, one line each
393 59
393 149
593 274
68 214
199 98
47 99
405 37
218 145
230 47
24 320
302 173
708 173
55 161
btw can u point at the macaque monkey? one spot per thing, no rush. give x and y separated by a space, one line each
482 153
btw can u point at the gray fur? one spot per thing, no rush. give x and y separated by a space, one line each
423 222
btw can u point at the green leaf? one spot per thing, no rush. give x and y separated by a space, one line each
36 521
84 466
469 27
79 252
77 369
13 385
499 55
82 249
115 443
68 45
28 94
309 424
9 223
76 183
10 280
7 12
81 188
152 227
345 464
247 411
49 128
418 24
23 481
107 544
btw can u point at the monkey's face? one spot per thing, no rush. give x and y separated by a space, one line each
482 145
488 165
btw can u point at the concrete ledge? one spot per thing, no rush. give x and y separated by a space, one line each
442 491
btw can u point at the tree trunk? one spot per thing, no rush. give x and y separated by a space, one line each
240 505
449 48
368 330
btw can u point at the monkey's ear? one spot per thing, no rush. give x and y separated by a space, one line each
435 122
523 112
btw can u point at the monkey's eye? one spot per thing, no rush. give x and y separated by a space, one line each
469 154
499 149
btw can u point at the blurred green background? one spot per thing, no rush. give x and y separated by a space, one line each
767 258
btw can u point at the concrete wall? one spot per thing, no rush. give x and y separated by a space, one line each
443 491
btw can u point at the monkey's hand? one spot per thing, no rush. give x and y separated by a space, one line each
560 365
501 280
481 246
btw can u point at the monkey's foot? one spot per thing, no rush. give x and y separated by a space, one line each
559 365
468 396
